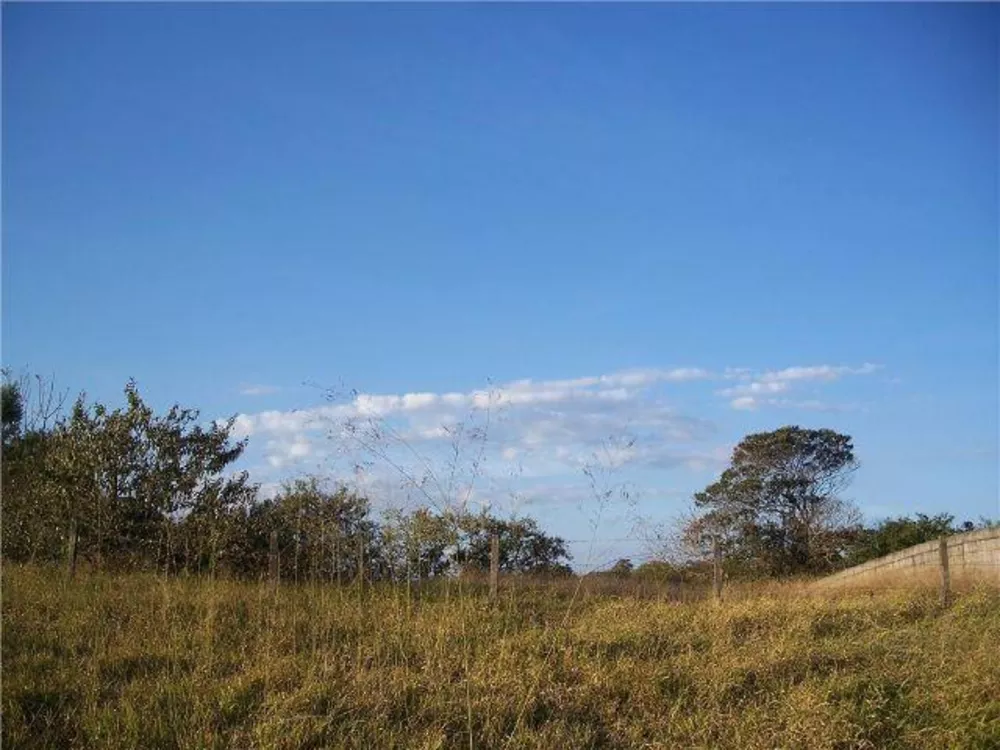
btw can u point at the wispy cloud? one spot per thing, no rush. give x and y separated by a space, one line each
758 389
258 390
752 403
427 410
541 428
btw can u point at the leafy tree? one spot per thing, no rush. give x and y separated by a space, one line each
29 407
894 534
211 535
140 489
416 545
661 571
322 534
524 547
122 478
29 404
11 412
30 520
138 472
776 510
622 569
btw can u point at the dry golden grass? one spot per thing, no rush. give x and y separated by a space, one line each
143 662
961 578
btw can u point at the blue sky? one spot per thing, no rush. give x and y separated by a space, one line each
741 216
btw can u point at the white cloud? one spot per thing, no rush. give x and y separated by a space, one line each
819 372
547 425
412 401
258 390
755 387
283 452
538 428
616 387
757 390
810 405
752 403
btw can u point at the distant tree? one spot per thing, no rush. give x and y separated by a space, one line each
11 411
776 510
660 571
31 523
656 570
416 545
31 403
141 489
323 534
524 547
622 568
122 478
31 520
894 534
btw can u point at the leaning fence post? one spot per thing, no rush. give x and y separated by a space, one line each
945 574
494 565
716 569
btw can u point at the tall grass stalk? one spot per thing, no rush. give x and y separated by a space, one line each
139 661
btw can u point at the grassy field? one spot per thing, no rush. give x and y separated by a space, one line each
140 661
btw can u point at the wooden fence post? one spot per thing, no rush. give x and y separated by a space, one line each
494 565
274 568
71 549
945 574
716 569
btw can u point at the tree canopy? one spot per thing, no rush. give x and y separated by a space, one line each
123 479
138 489
777 510
11 411
894 534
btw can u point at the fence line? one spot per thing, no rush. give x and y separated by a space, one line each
972 552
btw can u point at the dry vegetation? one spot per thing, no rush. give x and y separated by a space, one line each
141 661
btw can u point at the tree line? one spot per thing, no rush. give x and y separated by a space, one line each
859 544
129 489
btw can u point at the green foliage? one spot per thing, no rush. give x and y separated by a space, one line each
11 411
322 535
148 490
524 547
659 571
894 534
32 527
622 568
776 509
416 545
122 478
